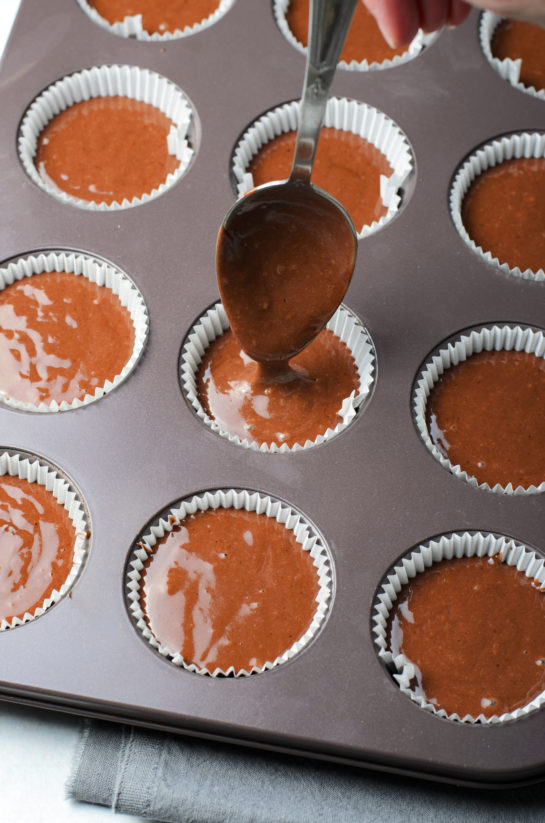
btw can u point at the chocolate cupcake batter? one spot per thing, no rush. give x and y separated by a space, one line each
364 40
475 628
346 166
234 393
229 588
36 546
106 149
503 212
486 415
158 16
519 40
61 337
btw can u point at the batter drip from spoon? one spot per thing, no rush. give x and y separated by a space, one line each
286 252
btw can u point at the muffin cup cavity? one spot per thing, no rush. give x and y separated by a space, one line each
104 275
490 338
507 68
447 547
109 81
131 26
343 324
249 501
415 47
36 470
345 115
526 144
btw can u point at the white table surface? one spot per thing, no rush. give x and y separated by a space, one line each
36 747
36 750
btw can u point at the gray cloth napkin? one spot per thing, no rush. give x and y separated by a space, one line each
176 779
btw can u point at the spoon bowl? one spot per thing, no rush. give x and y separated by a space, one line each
285 258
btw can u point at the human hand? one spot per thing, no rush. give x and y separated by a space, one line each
399 20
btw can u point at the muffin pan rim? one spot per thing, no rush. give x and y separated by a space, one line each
386 292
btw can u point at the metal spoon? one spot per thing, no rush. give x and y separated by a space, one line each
286 251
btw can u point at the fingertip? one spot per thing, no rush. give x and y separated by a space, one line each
459 12
391 37
397 20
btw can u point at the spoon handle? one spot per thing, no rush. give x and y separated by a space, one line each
328 26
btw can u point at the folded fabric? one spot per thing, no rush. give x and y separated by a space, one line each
177 779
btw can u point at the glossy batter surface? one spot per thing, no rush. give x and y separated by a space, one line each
486 414
234 391
36 546
61 337
504 211
522 41
364 40
157 15
475 628
229 588
106 149
346 166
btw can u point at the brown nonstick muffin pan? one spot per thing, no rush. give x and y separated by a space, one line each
373 492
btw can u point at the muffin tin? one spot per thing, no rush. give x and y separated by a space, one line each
372 493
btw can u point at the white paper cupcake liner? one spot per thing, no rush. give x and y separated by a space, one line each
345 115
415 47
447 547
508 69
108 81
248 501
526 144
35 470
490 338
104 275
131 26
343 324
